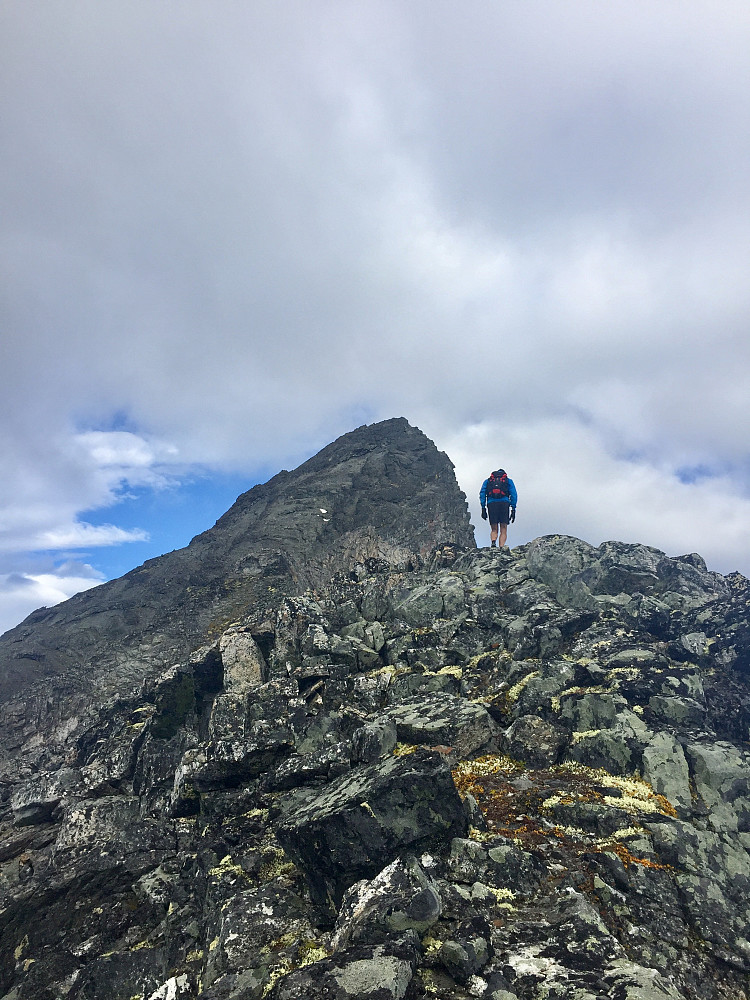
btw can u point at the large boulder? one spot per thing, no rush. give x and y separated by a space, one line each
357 824
722 779
666 769
401 898
534 741
445 720
378 972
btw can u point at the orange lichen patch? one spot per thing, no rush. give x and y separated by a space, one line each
627 858
522 805
666 806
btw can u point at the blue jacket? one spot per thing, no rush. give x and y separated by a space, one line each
512 500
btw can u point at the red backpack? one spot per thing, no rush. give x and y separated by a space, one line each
497 487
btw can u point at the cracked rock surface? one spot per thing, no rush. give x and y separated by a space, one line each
401 767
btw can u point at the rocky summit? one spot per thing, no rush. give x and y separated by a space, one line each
333 750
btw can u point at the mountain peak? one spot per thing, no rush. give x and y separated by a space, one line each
382 491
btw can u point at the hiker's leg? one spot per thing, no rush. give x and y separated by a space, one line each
493 516
502 517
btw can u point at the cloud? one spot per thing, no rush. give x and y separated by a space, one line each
82 535
123 451
23 592
232 232
44 492
569 484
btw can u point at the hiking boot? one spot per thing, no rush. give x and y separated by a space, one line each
493 545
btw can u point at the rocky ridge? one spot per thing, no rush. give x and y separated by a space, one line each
422 770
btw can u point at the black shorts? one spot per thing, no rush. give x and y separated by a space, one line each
498 511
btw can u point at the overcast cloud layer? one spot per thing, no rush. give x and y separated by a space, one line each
231 232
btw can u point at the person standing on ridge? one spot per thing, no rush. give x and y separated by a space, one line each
498 498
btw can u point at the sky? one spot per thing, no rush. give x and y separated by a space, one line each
231 232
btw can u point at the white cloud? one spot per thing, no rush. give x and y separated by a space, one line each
123 451
83 536
236 231
23 592
44 493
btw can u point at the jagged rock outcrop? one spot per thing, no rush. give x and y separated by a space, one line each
420 770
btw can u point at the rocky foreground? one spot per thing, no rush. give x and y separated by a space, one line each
431 771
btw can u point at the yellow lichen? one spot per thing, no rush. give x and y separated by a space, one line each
623 834
275 974
311 951
557 800
387 671
480 836
451 671
514 693
632 804
594 689
227 867
429 981
636 794
431 946
261 814
275 865
629 673
482 766
585 735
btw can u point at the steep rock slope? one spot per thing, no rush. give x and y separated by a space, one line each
456 773
381 491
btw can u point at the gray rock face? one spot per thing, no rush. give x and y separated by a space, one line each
580 575
401 898
357 757
443 719
379 972
352 828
